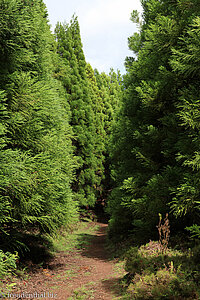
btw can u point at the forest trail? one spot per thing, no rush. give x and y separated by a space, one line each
79 274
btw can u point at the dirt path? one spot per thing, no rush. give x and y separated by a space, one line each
81 274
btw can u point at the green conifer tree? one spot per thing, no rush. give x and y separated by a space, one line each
185 63
110 90
100 134
73 75
37 161
148 136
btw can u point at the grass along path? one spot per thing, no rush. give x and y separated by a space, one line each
80 268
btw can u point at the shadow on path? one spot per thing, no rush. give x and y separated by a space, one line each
112 285
96 249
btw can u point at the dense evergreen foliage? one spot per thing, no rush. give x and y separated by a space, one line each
71 137
75 81
37 163
110 90
156 143
92 111
53 123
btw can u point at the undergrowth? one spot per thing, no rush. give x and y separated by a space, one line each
154 275
78 238
8 266
156 271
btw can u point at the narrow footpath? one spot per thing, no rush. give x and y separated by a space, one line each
81 274
95 274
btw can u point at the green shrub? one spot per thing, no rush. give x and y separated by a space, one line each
149 257
164 284
7 263
157 275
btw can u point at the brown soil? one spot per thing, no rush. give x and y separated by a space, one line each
81 274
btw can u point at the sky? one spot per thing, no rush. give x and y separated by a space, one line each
105 27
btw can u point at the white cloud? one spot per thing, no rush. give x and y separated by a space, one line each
97 63
105 14
105 27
